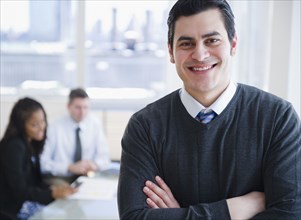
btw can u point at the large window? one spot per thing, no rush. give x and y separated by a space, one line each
37 43
126 44
123 45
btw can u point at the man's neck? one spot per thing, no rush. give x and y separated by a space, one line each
208 98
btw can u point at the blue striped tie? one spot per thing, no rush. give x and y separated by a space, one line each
206 117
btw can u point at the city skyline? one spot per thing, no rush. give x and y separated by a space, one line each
55 20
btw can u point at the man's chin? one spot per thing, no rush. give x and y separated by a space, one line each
79 119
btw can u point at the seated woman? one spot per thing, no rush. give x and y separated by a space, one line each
21 187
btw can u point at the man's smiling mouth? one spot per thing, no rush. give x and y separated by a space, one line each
203 68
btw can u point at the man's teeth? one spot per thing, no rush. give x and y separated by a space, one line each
201 68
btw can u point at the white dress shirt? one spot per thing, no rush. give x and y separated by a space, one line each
193 107
59 149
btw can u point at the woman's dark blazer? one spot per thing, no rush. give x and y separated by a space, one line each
20 177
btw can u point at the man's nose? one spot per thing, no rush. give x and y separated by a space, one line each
200 52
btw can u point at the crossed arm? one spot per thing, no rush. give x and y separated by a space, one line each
242 207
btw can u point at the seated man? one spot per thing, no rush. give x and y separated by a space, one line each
76 143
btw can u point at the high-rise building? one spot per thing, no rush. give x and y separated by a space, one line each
50 20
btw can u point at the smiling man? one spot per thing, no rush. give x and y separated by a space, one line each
214 149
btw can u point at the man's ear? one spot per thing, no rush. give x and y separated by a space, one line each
233 45
172 59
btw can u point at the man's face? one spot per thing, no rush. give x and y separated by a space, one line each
202 52
78 108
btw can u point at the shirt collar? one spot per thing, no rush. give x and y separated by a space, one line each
193 107
75 124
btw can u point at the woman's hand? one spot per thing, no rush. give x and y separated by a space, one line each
62 191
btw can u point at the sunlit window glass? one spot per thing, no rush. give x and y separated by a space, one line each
126 44
37 44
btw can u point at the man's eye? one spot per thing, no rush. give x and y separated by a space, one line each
186 44
212 41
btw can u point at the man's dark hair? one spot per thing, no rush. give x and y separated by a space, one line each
77 93
192 7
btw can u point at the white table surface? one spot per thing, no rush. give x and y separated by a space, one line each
79 209
92 209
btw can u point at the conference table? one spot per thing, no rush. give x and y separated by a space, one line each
96 199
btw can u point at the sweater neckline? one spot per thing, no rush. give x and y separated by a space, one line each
218 119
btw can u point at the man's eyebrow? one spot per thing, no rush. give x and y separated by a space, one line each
184 38
213 33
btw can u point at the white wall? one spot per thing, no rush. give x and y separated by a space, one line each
294 81
284 74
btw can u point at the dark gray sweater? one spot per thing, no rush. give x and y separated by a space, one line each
253 145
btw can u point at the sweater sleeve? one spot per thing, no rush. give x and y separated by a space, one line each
282 169
138 164
13 167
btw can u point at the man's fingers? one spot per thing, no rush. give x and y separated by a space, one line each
158 191
170 199
154 196
151 204
160 194
164 186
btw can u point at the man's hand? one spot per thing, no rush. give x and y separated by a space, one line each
82 167
246 206
159 196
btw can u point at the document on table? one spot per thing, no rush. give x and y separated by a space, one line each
95 189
